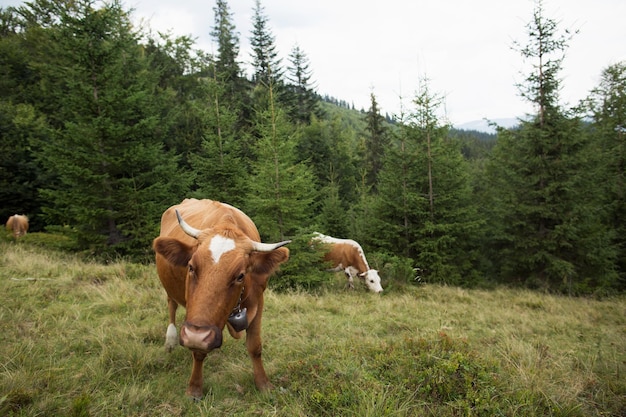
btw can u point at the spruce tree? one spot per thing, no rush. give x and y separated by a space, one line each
376 143
327 147
550 233
333 218
424 207
221 173
300 96
607 105
227 66
112 178
282 191
20 124
20 175
265 61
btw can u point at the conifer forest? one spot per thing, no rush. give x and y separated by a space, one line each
104 125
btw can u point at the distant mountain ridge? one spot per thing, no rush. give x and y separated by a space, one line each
483 125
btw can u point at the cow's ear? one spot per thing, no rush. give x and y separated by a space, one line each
267 262
175 251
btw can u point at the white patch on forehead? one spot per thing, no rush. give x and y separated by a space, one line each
219 246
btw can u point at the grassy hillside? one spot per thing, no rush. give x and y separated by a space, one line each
81 339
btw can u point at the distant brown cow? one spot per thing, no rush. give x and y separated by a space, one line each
347 255
217 269
18 225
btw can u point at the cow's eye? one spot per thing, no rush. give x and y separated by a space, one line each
240 277
191 270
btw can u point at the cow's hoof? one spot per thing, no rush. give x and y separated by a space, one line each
266 386
171 338
194 394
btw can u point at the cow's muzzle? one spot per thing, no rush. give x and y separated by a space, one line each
203 338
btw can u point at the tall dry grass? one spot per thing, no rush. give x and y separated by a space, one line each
85 339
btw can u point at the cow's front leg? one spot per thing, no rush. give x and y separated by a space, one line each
171 336
194 390
350 278
255 350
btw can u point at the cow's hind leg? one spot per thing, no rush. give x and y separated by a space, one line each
171 336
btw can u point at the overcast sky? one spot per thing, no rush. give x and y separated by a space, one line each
463 47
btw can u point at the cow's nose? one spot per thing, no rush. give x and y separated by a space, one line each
204 338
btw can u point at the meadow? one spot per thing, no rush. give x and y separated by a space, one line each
86 339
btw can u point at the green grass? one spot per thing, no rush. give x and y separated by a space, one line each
85 339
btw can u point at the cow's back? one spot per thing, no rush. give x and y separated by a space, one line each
18 225
346 253
202 214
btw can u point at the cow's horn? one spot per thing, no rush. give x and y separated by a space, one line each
268 247
193 232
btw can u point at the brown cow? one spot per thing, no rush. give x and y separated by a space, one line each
217 269
18 225
347 255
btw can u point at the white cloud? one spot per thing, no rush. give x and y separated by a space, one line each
463 47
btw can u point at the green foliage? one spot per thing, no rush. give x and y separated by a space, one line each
60 239
227 40
376 143
299 94
305 269
220 168
441 372
425 211
547 206
328 147
607 108
282 192
394 269
19 174
105 169
265 61
333 218
103 126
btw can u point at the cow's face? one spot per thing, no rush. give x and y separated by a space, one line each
216 274
222 263
372 280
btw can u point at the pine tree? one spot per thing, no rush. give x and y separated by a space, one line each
376 143
424 208
607 105
178 69
300 95
326 146
282 191
550 234
220 169
265 61
20 124
20 176
333 217
111 176
227 65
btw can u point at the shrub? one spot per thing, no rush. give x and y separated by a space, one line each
305 268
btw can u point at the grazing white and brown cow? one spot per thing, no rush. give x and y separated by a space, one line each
347 255
18 225
210 260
